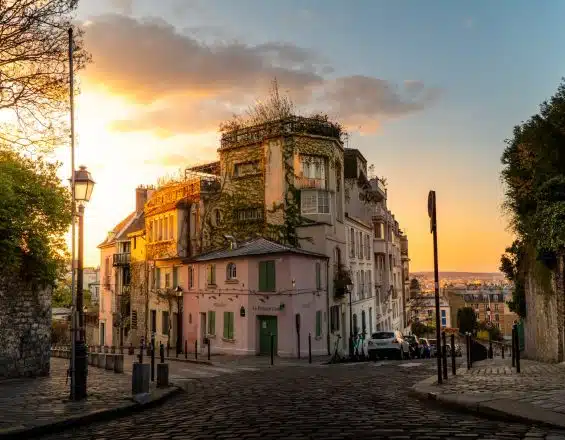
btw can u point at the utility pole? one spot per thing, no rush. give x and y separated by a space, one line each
433 230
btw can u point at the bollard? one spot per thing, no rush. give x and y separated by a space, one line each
309 348
185 349
110 362
162 375
168 349
513 348
468 343
139 378
272 349
152 358
444 354
196 349
517 345
502 350
490 352
208 348
453 367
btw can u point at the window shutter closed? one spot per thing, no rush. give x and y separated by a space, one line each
318 323
263 276
158 278
271 278
175 277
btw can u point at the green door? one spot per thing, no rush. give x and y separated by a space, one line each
267 326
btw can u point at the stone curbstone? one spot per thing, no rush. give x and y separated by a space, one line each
487 405
137 405
191 361
109 364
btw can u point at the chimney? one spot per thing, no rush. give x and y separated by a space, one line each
140 198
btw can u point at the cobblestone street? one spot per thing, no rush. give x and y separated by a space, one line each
349 401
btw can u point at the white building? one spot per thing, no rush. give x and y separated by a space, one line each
421 308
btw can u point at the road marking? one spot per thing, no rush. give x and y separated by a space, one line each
411 364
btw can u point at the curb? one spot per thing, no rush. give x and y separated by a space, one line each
488 405
136 405
190 361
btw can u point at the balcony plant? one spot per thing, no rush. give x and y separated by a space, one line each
342 279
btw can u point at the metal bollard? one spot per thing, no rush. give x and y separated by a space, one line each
468 345
162 353
208 348
152 358
272 349
453 367
490 352
168 349
196 349
517 345
444 354
185 349
513 347
309 348
141 348
502 350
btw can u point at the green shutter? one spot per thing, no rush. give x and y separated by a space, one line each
318 323
262 276
231 324
211 322
158 278
318 277
271 278
175 277
226 325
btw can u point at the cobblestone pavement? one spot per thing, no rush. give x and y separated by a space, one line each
347 401
32 402
539 384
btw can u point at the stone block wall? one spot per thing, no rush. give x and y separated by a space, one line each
543 331
25 330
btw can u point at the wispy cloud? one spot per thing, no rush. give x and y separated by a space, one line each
183 85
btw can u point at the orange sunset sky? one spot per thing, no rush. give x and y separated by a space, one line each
421 109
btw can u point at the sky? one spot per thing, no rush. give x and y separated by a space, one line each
428 90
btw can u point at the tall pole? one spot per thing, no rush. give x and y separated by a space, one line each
73 215
433 227
350 324
80 349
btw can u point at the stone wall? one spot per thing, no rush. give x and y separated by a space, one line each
543 331
25 331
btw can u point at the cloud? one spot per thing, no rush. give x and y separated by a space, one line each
183 85
124 6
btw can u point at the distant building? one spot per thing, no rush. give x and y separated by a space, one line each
421 308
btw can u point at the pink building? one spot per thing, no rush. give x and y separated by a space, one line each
240 296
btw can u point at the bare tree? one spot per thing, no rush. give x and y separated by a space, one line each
34 73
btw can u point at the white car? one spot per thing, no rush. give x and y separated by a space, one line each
387 344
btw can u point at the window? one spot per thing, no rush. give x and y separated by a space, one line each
352 242
362 273
190 318
318 276
190 277
369 282
249 214
165 323
175 277
363 322
378 230
231 273
267 277
443 318
165 228
361 244
370 320
211 274
497 317
496 307
313 167
314 202
334 318
133 319
355 328
212 323
135 242
154 321
157 278
318 323
217 217
167 280
368 247
228 325
160 229
171 227
246 168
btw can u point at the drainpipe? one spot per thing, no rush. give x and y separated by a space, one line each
328 305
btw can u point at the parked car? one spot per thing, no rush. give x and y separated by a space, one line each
388 344
414 343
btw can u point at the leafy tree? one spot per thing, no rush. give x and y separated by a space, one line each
35 213
62 296
467 320
420 329
34 70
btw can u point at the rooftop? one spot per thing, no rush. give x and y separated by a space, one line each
255 247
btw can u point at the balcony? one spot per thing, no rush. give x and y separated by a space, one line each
379 246
122 259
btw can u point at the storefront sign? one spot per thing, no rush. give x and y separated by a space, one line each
268 308
219 304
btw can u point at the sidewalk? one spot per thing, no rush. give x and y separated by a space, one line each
41 405
492 387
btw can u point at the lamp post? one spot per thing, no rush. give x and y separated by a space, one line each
179 293
350 290
83 186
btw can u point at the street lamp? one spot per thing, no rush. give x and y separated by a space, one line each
179 292
83 186
349 290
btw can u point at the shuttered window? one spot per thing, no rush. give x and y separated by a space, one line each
267 277
212 322
175 277
318 323
228 325
318 276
